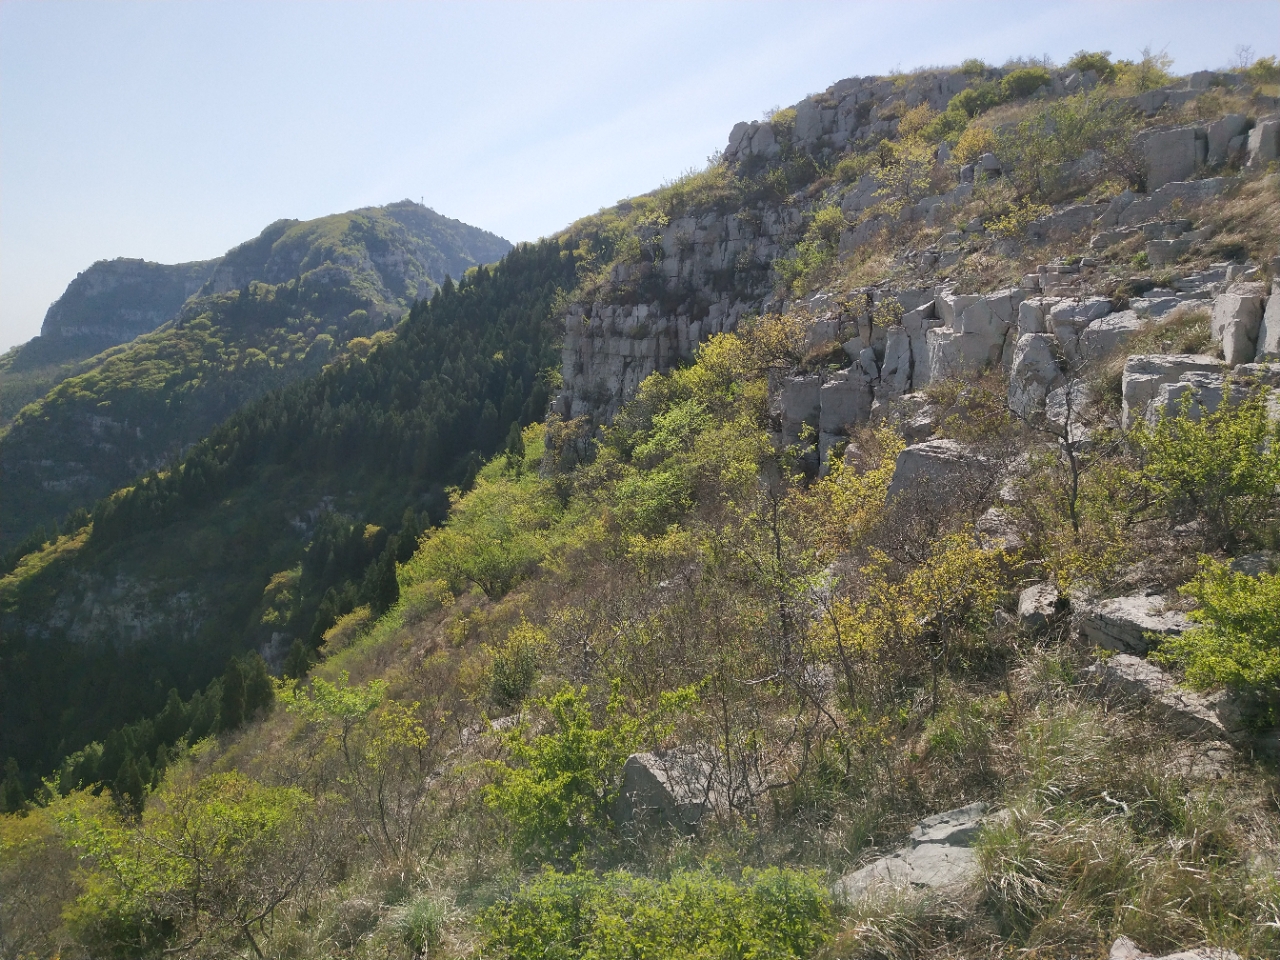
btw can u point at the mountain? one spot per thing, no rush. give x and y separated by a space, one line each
262 534
110 303
891 575
268 312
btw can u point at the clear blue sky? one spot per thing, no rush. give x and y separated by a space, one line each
172 131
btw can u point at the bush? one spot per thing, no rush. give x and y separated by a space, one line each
1099 61
1218 470
1024 82
772 914
977 99
1236 642
560 794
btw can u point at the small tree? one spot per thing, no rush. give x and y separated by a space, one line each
1219 470
1236 641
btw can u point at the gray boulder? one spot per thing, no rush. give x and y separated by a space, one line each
844 400
1237 316
939 855
1188 713
1269 330
675 788
936 464
1039 604
1173 155
1221 133
1124 624
799 403
1033 374
1144 374
1126 949
1264 142
1103 337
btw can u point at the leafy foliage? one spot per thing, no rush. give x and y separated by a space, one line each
769 914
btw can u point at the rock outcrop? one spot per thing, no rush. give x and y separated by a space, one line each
675 788
1129 624
1186 713
939 855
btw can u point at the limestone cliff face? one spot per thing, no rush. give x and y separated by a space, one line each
716 267
115 301
712 269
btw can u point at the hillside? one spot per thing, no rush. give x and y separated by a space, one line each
892 576
270 311
110 303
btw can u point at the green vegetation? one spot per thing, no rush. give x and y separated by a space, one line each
215 540
770 914
479 616
1237 641
308 293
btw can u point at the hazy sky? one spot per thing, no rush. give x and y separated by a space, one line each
172 131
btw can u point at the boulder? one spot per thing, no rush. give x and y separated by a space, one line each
1213 719
844 400
1126 949
799 403
938 855
1196 393
1039 604
1173 155
1144 374
675 787
1269 330
1221 132
1034 373
1103 337
939 464
1128 210
1237 316
895 372
1264 142
1125 624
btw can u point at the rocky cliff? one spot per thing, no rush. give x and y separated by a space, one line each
711 267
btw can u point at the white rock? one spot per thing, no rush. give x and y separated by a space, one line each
939 855
1237 315
895 372
1034 373
1269 331
1144 374
937 464
1038 605
844 400
1125 624
1189 714
675 787
1173 155
1103 337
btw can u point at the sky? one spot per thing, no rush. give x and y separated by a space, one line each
173 130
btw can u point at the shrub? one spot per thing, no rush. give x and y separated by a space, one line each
1024 82
1219 470
973 67
1236 642
560 794
977 99
1099 61
1264 70
421 925
771 914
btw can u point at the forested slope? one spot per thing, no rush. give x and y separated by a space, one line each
197 563
269 312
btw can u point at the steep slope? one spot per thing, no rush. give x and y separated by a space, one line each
110 303
272 310
206 560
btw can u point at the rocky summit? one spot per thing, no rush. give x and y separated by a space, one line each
861 547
